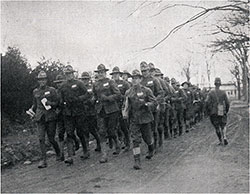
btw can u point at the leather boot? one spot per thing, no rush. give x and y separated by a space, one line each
150 151
61 146
42 164
137 164
117 146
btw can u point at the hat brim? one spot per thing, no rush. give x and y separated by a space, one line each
136 76
69 71
115 73
101 70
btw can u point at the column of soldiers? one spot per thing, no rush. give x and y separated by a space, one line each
150 108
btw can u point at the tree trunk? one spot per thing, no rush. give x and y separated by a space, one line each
238 88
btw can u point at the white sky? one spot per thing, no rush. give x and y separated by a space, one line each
87 33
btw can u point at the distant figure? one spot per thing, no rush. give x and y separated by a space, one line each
217 104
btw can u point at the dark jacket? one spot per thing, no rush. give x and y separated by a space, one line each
137 98
178 99
50 94
106 94
123 87
73 93
214 98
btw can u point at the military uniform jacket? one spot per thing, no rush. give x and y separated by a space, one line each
155 86
107 95
50 94
137 98
89 103
214 98
190 98
178 99
123 87
73 93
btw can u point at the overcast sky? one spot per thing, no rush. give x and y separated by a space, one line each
88 33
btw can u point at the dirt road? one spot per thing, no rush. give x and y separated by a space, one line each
190 163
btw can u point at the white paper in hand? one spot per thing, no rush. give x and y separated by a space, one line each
44 100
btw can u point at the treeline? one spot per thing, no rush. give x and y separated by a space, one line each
18 81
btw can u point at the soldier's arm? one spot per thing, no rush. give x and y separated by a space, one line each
227 103
54 98
115 90
84 94
183 96
34 104
152 103
159 93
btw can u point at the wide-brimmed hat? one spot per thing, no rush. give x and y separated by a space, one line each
158 72
115 70
101 67
59 79
85 75
135 73
42 75
126 72
68 69
186 82
144 66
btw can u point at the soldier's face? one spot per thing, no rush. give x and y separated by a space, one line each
116 76
101 74
42 82
185 86
152 72
125 77
59 84
145 73
85 81
136 80
69 76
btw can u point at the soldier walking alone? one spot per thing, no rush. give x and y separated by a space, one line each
217 104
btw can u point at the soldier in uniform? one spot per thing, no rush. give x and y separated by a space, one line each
107 94
218 105
60 122
152 83
125 75
90 113
74 93
187 105
122 123
138 105
177 100
162 102
44 105
169 110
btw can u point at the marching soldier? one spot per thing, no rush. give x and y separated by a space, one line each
90 113
137 107
187 105
155 86
218 105
107 94
60 122
123 87
162 102
44 105
74 93
177 100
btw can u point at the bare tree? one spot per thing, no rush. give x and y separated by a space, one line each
186 70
